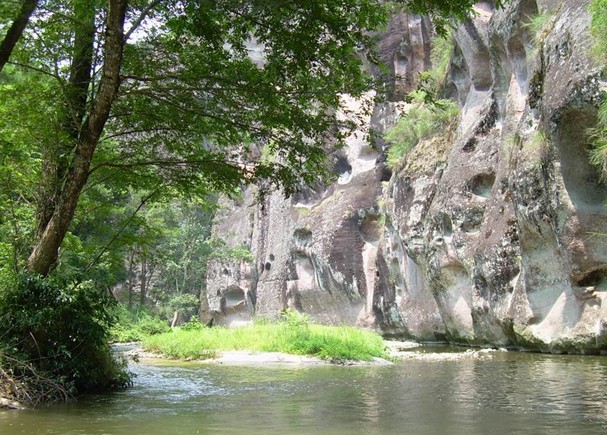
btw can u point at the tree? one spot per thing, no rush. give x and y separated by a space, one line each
444 12
171 95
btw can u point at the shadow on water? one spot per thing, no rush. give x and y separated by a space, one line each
505 392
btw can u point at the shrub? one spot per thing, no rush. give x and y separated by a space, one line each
133 325
192 325
598 140
62 331
440 56
186 303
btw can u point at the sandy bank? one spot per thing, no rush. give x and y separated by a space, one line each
250 358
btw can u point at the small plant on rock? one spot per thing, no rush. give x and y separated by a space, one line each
420 121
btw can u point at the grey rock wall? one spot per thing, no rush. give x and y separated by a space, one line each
487 235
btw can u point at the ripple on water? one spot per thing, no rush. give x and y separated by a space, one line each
507 394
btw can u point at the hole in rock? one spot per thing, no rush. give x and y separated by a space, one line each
528 10
485 6
482 184
272 257
233 296
342 165
268 266
445 225
302 238
309 195
370 229
518 59
385 174
470 145
595 278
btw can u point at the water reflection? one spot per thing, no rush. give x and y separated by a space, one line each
510 393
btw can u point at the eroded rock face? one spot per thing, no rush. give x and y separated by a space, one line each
490 235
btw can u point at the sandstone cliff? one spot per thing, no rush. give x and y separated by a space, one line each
490 235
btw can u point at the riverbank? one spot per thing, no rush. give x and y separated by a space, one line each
253 358
395 351
10 404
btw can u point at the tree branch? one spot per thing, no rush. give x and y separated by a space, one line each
165 163
40 70
129 220
140 18
16 30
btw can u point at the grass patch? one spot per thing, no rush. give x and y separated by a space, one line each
598 29
420 121
539 27
598 134
598 140
294 334
440 56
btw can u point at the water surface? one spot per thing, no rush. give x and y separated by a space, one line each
511 393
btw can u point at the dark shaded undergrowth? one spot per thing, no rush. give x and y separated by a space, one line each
54 343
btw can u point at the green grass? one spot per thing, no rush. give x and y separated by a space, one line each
538 26
295 334
598 28
598 140
440 56
598 134
421 121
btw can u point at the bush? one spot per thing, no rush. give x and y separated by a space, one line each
133 325
421 121
61 331
186 304
192 325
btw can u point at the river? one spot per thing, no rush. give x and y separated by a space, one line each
499 393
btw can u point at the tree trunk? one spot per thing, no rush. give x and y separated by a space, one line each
144 282
131 277
45 253
55 163
16 30
175 319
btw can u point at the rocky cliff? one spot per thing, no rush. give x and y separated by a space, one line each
491 234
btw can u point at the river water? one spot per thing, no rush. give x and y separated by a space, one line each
506 393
